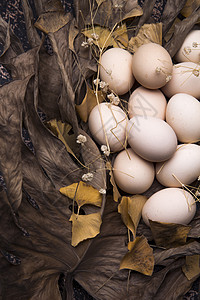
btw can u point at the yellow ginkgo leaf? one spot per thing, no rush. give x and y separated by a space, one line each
148 33
52 21
191 269
89 102
189 7
139 257
130 209
84 227
107 38
169 235
116 193
83 194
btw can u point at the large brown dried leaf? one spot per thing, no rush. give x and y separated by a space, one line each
139 258
190 6
111 13
147 33
52 21
169 235
84 227
12 100
116 193
4 35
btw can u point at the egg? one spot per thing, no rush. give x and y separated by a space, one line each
146 102
116 70
184 164
152 66
183 115
170 205
151 138
132 173
185 79
108 123
190 49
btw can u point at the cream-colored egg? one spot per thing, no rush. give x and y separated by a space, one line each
132 173
116 70
152 65
185 79
170 205
108 122
183 115
146 102
190 49
151 138
183 166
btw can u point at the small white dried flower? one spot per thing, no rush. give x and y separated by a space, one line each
102 191
81 139
187 50
96 81
168 78
87 177
105 150
113 99
95 36
194 44
85 44
102 84
198 178
90 41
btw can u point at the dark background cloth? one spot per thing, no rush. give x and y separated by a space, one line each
11 11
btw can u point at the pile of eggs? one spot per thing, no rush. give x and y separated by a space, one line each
158 136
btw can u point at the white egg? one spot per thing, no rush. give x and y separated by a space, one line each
146 102
190 49
108 122
170 205
151 138
116 70
183 115
183 166
152 65
133 174
185 79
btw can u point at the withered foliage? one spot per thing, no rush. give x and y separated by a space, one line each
49 226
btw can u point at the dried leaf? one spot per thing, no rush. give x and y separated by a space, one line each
169 235
111 13
116 194
52 21
82 193
89 102
170 32
148 33
130 209
4 35
190 6
100 1
84 227
139 258
62 131
107 38
191 268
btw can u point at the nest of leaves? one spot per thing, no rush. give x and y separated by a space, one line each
61 212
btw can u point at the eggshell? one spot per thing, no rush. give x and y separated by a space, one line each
183 115
152 65
132 173
116 70
170 205
184 164
146 102
108 120
185 79
190 49
151 138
